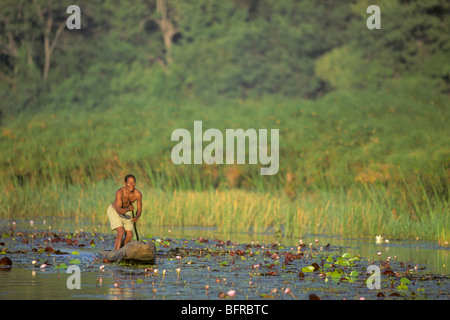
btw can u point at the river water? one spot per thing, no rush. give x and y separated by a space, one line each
208 276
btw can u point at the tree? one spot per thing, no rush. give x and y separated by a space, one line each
53 24
252 48
413 40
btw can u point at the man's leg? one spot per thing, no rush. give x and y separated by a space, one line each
120 234
128 237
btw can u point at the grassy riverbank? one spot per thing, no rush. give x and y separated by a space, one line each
357 165
351 214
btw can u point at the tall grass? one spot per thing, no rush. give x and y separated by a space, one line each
361 213
352 164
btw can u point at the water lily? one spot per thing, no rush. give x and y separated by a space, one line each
231 293
378 239
288 291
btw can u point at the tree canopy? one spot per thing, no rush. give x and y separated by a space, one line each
207 49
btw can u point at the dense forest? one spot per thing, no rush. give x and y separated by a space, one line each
128 53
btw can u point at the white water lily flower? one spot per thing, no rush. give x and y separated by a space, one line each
231 293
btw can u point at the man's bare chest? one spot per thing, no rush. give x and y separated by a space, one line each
128 198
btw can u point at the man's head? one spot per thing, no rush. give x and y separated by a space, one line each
130 182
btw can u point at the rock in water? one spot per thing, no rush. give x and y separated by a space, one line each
7 262
135 251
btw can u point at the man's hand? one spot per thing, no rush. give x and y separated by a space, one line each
134 220
130 207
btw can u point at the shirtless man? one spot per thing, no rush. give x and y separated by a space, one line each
119 212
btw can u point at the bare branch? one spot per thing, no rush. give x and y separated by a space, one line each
57 34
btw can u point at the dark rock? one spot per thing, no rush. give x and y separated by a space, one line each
6 262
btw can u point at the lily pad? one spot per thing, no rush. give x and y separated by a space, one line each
308 269
354 273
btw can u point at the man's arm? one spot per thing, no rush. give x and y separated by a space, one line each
139 206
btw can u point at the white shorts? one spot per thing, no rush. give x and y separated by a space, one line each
119 220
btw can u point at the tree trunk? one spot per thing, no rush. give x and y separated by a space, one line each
167 28
49 44
47 52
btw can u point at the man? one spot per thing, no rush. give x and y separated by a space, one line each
119 212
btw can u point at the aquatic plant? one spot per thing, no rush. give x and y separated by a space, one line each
253 270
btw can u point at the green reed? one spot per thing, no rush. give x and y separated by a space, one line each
353 164
364 213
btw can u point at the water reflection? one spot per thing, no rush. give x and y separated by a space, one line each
28 282
425 254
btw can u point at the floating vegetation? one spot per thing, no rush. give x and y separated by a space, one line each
217 269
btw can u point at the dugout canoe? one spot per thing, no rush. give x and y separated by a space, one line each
134 251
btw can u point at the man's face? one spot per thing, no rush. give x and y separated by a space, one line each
130 184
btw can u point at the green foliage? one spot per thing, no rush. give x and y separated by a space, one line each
408 43
61 266
216 49
74 261
346 69
308 269
239 54
361 157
